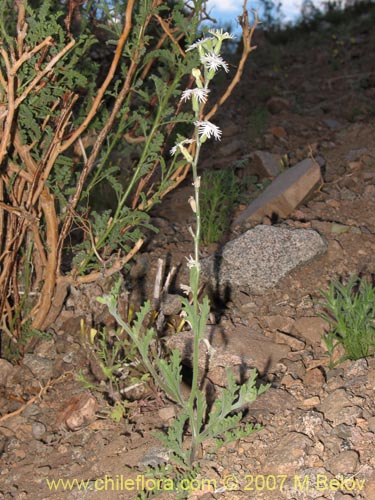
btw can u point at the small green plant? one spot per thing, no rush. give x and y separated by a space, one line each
114 362
258 121
197 421
220 190
350 311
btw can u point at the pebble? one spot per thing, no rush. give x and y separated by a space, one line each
5 370
38 430
346 462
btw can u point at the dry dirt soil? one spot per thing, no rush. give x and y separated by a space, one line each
318 436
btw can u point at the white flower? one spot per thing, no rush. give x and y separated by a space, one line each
197 182
198 43
200 94
221 35
214 61
180 145
191 262
208 129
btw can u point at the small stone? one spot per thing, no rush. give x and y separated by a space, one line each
371 424
265 164
154 457
231 148
309 402
369 489
40 366
276 105
5 370
167 413
80 411
171 304
346 462
356 154
332 124
357 368
278 132
338 409
287 455
310 423
314 380
288 381
279 322
292 342
311 328
38 430
343 496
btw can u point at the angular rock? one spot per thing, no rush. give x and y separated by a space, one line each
5 370
292 342
273 401
278 322
79 411
338 409
278 132
260 258
314 380
40 366
369 489
277 104
332 124
265 164
311 328
288 454
284 194
171 304
345 462
231 147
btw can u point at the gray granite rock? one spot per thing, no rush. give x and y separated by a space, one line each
261 257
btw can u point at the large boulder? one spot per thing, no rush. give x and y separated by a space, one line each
258 259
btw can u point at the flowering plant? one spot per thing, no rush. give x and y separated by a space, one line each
221 422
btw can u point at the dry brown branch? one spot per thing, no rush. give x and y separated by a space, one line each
10 111
42 392
44 72
133 140
23 150
28 55
21 27
1 211
52 153
94 153
105 273
98 99
47 203
169 33
247 35
3 83
13 168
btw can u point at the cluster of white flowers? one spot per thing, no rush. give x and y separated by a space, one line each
208 129
210 58
200 94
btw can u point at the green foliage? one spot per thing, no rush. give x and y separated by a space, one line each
82 121
220 190
117 366
350 312
258 121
